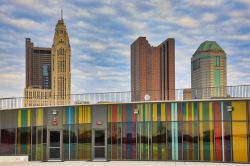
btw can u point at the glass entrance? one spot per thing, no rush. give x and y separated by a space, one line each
99 145
54 148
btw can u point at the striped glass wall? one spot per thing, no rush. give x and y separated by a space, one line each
193 131
24 132
77 133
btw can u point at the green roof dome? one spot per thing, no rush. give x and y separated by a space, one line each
209 46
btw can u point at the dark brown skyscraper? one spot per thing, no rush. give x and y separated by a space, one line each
38 66
153 70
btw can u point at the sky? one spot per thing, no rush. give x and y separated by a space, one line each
101 31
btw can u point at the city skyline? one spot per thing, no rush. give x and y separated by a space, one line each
48 70
101 49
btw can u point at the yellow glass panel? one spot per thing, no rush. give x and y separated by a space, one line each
187 111
155 151
239 110
39 117
89 114
239 132
154 112
19 118
80 115
163 112
28 118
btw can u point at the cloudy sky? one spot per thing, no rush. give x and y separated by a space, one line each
101 33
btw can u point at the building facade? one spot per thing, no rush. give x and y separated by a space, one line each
38 66
215 130
38 74
61 70
187 94
152 70
48 71
209 71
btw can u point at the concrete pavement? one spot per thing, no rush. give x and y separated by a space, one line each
118 163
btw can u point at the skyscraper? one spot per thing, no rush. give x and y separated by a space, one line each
152 70
208 71
61 72
38 64
38 75
48 72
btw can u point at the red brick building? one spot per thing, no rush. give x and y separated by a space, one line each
153 70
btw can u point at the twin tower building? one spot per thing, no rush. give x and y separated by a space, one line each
48 71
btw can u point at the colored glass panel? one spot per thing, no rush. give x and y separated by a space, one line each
239 131
7 141
208 130
84 141
217 131
190 140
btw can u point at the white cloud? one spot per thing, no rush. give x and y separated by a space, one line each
106 11
208 17
239 37
23 23
206 4
187 21
12 84
136 25
86 58
75 41
246 2
97 46
235 75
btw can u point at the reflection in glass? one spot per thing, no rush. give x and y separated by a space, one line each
54 153
7 142
84 141
99 152
206 140
99 138
54 138
190 140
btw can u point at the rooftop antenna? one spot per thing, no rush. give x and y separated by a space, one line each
61 14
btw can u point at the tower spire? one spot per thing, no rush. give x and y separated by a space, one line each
61 14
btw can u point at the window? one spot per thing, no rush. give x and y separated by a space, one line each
61 41
61 51
196 64
216 61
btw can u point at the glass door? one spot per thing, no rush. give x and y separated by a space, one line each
54 146
99 145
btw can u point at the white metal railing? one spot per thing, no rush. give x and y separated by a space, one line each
239 91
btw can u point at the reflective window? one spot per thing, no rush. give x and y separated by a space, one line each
99 138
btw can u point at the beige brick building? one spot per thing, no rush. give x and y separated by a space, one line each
61 72
209 71
48 73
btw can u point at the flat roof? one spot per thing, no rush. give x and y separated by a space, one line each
134 102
